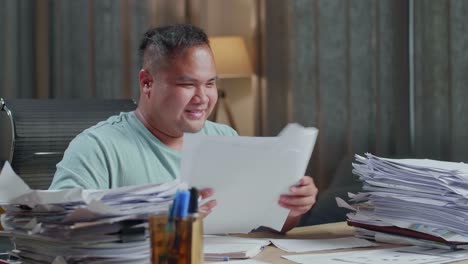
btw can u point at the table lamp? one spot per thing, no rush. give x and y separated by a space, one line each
232 61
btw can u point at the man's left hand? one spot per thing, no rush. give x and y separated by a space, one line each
206 208
300 199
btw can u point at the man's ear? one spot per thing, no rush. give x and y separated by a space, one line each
146 81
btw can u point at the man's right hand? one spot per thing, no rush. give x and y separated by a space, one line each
206 208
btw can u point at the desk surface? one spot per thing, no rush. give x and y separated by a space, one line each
273 254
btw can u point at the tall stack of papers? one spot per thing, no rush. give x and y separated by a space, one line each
80 226
248 175
426 200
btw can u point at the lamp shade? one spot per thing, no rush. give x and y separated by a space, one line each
231 57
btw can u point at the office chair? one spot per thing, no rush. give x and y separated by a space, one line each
34 133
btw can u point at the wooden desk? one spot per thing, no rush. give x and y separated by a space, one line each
272 254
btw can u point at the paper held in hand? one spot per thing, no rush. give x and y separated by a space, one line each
248 175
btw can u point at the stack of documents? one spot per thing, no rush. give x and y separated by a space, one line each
80 226
424 200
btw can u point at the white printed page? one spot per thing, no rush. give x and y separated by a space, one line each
248 175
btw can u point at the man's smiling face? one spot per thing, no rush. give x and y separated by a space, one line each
184 92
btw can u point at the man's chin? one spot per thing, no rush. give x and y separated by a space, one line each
194 127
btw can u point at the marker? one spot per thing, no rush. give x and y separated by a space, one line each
193 206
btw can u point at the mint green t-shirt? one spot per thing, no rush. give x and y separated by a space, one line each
121 151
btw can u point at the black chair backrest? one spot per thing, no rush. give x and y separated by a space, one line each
34 133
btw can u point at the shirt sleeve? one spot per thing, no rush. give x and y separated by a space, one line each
83 165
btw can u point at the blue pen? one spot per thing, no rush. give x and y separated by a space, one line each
174 206
170 223
217 258
182 204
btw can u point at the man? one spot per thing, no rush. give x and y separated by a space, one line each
177 94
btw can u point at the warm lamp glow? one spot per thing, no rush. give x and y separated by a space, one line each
231 57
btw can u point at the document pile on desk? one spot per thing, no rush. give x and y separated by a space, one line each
411 201
84 226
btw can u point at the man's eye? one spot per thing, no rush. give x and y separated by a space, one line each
188 85
209 85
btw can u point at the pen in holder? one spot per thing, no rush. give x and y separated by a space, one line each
178 238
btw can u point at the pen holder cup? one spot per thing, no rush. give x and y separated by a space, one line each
196 243
1 212
178 241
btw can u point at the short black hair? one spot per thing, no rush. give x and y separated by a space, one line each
160 44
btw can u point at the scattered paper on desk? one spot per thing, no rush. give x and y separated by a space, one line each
244 261
16 186
305 245
248 175
377 256
463 254
232 247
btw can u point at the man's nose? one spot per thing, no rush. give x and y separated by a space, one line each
201 95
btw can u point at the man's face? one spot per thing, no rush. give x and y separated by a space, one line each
184 92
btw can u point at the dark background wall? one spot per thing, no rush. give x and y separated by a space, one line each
345 70
386 77
441 80
76 49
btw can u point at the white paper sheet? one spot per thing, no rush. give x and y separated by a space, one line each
244 261
305 245
222 247
378 256
13 190
248 175
9 178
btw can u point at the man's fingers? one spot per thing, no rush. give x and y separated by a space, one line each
306 180
206 208
205 193
298 207
308 190
209 204
290 202
306 187
300 210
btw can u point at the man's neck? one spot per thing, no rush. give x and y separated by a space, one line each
168 140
